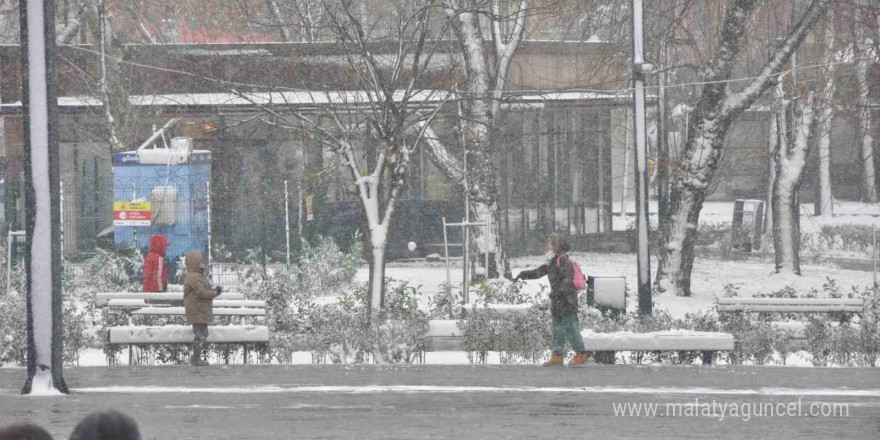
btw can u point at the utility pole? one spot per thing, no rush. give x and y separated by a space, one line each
641 160
42 187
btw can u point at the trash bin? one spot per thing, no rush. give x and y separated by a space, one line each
748 224
607 292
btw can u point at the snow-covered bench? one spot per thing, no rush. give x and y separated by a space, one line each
444 335
606 344
183 334
156 306
170 304
103 298
789 305
499 308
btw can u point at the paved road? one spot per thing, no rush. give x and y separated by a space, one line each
366 402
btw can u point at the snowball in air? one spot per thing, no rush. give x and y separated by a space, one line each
411 246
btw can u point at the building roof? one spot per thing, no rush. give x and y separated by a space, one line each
307 99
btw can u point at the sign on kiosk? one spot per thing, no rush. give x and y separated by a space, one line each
131 213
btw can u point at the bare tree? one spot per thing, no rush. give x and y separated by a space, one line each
306 17
719 105
790 158
861 49
486 67
373 131
825 204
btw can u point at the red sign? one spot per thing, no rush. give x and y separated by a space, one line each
132 214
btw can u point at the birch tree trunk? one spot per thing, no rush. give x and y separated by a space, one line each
487 76
824 123
772 147
113 95
717 108
861 49
790 160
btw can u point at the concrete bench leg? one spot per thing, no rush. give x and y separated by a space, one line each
707 357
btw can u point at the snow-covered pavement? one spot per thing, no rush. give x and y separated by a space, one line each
366 402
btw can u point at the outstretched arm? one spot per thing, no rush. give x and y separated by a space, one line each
533 274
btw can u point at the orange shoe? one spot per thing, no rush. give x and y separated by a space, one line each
555 361
580 359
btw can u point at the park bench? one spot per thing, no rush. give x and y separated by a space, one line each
444 335
135 336
790 305
170 304
101 299
607 344
797 329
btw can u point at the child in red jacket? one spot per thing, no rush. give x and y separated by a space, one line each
155 269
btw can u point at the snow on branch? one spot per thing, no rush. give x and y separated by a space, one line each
740 101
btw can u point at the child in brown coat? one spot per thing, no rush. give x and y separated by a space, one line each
198 300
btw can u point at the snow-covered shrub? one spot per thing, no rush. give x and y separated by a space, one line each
523 337
399 331
322 270
479 332
349 332
847 237
446 304
501 292
112 271
868 344
13 335
844 345
819 341
77 330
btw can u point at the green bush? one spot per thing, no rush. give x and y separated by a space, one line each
322 269
13 323
348 332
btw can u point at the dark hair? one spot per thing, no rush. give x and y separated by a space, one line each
24 431
109 425
559 244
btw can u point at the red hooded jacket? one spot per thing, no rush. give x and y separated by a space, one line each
155 269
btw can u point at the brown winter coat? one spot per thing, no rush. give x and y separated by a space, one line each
198 296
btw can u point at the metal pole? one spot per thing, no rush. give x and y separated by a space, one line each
626 158
446 252
486 242
42 177
287 221
299 210
874 234
61 209
641 159
8 260
208 202
135 230
465 294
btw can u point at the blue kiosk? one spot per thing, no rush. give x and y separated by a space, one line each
175 182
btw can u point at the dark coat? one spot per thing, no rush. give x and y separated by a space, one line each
560 273
198 296
109 425
155 269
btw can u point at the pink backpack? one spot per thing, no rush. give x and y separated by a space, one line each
580 281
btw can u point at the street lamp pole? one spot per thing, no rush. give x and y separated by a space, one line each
641 160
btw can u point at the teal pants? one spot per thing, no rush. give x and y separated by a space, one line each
567 328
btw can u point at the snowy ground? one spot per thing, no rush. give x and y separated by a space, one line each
709 277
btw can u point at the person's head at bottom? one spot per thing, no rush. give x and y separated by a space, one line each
107 425
24 431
